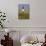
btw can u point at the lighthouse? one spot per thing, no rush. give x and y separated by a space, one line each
23 9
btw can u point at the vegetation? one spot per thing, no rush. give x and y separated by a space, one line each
23 15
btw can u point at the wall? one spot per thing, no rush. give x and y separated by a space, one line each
37 13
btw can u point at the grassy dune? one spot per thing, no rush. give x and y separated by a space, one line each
23 15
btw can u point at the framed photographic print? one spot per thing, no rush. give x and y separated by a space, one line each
23 11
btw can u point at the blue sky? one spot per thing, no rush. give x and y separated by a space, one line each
26 7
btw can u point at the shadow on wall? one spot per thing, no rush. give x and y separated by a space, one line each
16 43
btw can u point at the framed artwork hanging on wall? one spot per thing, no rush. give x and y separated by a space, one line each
23 11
